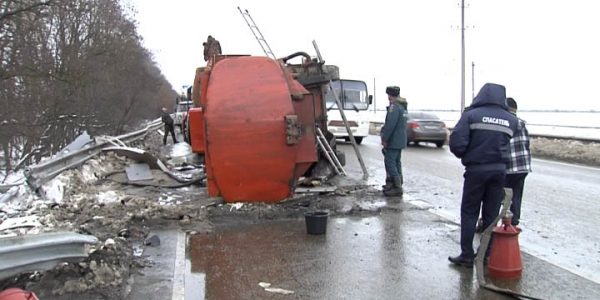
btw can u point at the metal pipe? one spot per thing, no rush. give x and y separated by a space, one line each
296 54
462 61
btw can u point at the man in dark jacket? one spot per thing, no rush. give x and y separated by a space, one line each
481 140
169 128
393 140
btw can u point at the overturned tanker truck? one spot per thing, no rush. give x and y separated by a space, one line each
255 121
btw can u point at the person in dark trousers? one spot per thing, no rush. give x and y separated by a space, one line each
519 164
393 140
169 127
481 140
389 182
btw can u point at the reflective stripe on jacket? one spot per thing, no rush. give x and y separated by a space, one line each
482 135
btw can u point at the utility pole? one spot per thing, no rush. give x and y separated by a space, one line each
472 80
462 61
374 96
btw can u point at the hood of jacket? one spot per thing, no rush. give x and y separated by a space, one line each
401 101
491 94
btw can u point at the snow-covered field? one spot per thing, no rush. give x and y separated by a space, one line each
559 124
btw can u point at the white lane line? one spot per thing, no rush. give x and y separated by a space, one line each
179 268
566 164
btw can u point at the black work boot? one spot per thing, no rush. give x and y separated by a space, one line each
461 261
396 189
389 183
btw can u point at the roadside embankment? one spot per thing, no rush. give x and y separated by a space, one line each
574 151
561 149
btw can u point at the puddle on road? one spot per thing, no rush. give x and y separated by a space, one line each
357 258
236 259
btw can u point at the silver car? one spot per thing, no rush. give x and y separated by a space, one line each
426 127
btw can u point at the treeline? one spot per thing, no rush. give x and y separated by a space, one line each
69 66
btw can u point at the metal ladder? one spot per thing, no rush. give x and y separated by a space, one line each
340 108
321 140
329 153
257 34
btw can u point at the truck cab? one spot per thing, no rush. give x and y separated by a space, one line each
355 100
181 111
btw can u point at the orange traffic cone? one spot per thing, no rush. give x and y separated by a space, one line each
505 256
17 294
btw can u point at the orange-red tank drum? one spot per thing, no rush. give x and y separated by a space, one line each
196 121
247 157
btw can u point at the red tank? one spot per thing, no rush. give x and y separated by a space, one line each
256 125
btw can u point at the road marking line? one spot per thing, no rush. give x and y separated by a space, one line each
567 164
179 268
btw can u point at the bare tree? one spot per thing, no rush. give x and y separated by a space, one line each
26 7
68 66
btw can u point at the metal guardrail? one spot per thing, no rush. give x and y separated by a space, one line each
5 187
39 174
41 252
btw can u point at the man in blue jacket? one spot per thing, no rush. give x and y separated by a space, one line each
481 140
393 140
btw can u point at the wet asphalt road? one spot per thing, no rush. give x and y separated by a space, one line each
394 255
560 211
399 254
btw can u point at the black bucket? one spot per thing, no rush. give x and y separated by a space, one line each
316 222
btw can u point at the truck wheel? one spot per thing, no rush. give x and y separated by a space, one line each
439 144
185 131
358 139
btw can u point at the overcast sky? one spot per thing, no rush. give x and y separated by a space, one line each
546 53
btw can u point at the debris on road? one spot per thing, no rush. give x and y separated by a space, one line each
237 205
268 288
138 172
20 222
152 241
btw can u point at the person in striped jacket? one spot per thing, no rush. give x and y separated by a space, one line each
519 164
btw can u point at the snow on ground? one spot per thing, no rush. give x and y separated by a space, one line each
12 178
54 189
585 153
